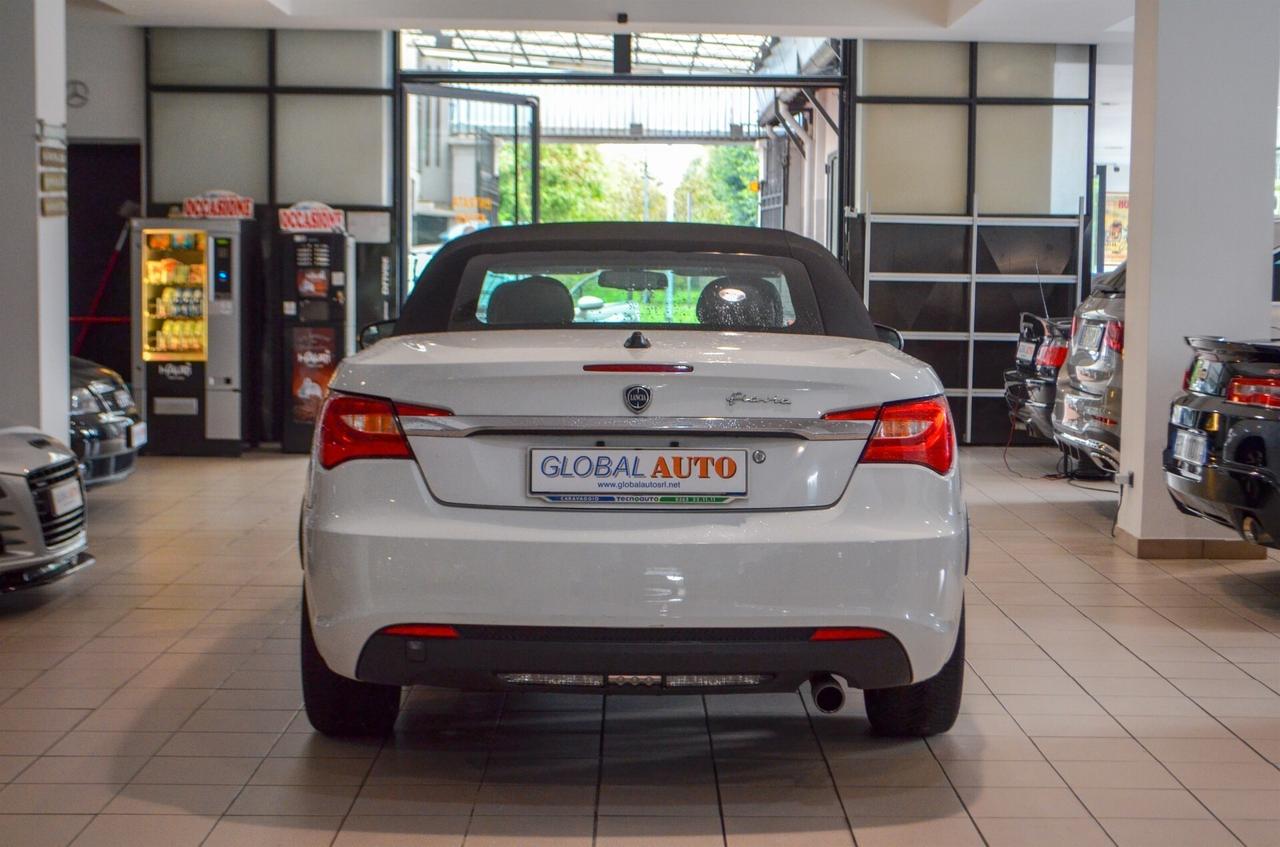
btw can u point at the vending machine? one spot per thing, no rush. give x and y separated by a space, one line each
192 286
318 307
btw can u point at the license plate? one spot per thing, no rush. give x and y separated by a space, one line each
66 497
122 398
138 434
1091 338
1191 448
1026 350
639 476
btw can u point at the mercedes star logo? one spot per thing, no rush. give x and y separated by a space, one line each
77 93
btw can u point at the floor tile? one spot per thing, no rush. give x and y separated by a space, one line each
156 830
402 831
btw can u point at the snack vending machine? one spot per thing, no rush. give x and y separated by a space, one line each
318 306
191 290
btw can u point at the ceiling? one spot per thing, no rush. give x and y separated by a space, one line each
1060 21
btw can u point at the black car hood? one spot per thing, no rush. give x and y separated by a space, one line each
84 372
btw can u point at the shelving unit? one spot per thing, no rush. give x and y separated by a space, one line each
971 335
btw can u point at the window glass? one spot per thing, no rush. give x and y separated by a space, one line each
201 142
1031 160
342 58
915 69
356 131
1033 70
914 158
676 290
208 56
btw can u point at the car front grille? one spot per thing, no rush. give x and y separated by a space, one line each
57 529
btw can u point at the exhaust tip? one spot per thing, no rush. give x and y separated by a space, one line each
828 693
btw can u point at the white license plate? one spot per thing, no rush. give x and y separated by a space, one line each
1091 338
66 497
1191 448
138 434
1026 350
638 476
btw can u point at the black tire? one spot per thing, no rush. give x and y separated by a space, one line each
924 708
338 706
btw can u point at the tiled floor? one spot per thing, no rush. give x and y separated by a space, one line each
153 700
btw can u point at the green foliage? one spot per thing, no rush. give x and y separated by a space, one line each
577 184
717 188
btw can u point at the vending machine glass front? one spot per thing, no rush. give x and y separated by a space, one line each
174 283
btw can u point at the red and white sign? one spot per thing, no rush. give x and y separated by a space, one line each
309 216
218 204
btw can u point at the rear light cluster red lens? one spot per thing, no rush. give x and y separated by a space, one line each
1255 391
421 630
1053 354
638 368
909 432
847 633
1115 336
357 427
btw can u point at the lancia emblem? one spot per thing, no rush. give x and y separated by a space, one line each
637 397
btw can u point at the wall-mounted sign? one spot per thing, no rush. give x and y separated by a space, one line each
53 207
309 216
218 204
53 157
1116 238
53 180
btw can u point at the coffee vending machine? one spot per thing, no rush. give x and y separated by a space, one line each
318 306
192 285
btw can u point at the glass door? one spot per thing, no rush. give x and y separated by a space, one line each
472 163
174 291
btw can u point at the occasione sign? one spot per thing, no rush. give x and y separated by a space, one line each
309 216
218 204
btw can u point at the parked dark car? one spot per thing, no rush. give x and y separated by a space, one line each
1086 411
106 425
1031 384
1222 461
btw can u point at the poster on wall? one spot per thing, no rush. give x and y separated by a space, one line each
315 357
1116 246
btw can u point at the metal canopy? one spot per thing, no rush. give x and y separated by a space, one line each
655 53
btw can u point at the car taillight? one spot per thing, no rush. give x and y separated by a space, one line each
847 633
1115 335
909 432
356 427
1075 324
1053 354
1255 391
421 630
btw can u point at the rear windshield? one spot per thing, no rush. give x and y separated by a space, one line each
1113 282
660 289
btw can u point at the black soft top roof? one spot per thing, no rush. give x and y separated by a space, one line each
429 306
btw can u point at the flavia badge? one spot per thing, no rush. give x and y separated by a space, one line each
176 371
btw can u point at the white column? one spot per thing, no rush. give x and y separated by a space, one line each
1200 226
33 249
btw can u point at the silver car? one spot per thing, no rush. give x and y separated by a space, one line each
42 510
1086 411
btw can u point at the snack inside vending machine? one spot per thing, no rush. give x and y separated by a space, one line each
193 281
318 307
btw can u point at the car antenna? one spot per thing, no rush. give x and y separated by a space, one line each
637 341
1040 283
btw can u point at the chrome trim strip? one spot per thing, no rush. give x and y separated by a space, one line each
810 429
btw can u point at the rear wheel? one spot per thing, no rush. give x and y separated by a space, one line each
339 706
924 708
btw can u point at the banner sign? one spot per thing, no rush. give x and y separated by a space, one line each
218 204
309 216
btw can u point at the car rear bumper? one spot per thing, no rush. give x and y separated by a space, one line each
889 555
1030 400
630 661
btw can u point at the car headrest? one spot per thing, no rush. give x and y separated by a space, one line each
740 301
535 300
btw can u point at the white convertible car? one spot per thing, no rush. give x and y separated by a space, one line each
736 489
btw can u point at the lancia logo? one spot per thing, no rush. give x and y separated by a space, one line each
637 397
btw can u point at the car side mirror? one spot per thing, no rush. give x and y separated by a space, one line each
890 336
372 333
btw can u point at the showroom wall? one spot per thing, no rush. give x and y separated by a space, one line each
107 57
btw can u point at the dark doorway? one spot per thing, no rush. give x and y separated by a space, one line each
101 178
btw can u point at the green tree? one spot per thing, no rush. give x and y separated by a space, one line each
717 188
626 195
573 180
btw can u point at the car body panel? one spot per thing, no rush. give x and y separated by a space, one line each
1030 387
1086 412
1238 482
36 545
456 534
102 435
